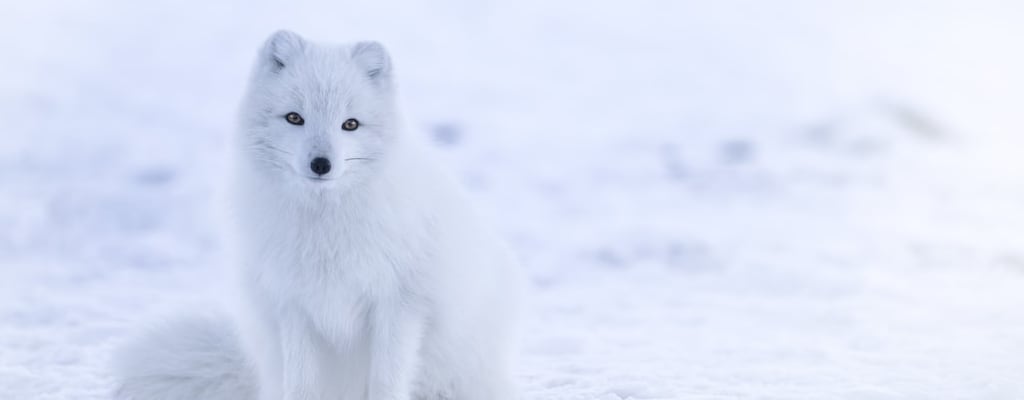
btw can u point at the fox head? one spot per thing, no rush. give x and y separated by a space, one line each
317 116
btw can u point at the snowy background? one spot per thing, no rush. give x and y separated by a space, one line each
715 200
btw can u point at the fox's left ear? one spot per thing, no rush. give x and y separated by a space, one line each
374 59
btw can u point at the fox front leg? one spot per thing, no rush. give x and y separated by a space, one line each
394 351
302 364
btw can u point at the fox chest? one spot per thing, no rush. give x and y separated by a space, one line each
336 286
336 270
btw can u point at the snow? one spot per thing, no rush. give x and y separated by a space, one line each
740 199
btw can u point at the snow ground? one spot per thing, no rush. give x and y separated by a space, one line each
794 200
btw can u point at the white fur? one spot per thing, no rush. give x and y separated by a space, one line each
374 283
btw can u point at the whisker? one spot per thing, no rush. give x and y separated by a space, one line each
265 145
269 161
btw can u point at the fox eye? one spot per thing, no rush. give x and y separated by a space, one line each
350 124
294 118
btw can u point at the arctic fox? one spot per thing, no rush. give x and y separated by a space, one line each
363 274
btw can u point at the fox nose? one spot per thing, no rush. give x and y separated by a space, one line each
320 165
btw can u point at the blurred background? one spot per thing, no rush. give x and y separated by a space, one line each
736 199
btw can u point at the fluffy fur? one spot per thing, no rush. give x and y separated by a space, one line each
372 281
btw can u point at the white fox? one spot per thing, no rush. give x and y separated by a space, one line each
363 274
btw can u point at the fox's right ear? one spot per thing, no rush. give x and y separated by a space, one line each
281 49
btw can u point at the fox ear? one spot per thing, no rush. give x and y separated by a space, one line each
373 58
281 49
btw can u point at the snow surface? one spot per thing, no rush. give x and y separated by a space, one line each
715 200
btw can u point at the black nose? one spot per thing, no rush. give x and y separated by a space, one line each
320 165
